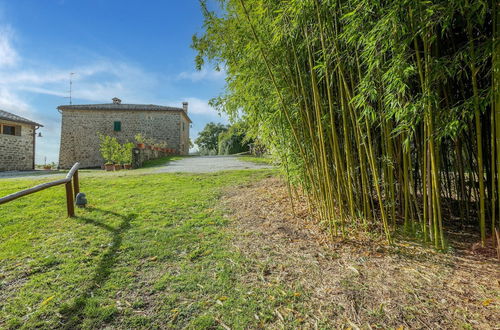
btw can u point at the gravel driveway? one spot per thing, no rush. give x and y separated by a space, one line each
195 164
38 174
205 164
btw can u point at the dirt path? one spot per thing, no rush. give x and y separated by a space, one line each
359 283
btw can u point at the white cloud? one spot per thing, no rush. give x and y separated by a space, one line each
8 56
203 74
97 81
199 107
121 79
12 102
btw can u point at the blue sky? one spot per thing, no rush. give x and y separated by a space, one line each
138 51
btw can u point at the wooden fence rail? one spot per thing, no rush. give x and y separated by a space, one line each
72 189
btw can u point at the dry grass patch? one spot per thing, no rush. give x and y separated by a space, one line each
360 282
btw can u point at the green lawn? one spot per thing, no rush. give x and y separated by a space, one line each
258 160
150 251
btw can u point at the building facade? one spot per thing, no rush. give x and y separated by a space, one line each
82 124
17 142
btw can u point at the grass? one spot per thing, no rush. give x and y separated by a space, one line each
149 251
161 161
159 251
257 160
358 282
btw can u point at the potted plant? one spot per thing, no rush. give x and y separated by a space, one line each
139 139
149 143
117 154
107 147
163 147
108 166
127 155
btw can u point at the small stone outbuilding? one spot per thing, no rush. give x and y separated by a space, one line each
17 142
82 124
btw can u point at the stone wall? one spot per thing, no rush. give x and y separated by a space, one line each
80 132
16 151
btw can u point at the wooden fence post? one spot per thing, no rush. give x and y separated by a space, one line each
76 183
71 178
69 199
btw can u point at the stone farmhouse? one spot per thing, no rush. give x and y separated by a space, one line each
82 124
17 142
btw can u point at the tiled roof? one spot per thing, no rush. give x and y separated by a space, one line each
15 118
114 106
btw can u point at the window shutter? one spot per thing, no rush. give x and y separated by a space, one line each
18 130
118 126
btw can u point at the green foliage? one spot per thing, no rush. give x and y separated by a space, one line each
150 141
234 140
258 160
110 149
114 152
127 152
377 109
139 138
208 139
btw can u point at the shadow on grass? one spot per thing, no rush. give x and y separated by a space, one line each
73 314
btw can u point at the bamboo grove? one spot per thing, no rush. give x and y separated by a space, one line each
385 112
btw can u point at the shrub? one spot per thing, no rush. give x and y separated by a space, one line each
127 153
139 138
109 148
233 141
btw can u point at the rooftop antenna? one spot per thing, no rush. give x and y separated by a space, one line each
70 87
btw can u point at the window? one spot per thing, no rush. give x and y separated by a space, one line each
118 126
183 126
11 130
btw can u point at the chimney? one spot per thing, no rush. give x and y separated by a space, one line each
185 106
116 100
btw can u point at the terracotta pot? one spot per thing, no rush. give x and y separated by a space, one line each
127 166
140 145
118 167
109 167
149 147
157 148
47 167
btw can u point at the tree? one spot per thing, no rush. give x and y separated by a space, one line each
208 139
110 149
380 111
234 140
126 150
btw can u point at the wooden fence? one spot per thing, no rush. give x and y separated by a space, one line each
72 189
